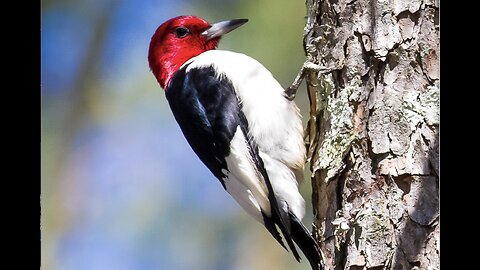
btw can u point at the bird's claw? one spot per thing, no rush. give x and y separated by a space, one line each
290 93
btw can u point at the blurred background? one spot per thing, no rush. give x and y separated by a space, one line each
121 188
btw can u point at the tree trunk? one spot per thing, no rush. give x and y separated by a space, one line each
372 74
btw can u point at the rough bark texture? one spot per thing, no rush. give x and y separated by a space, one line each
372 75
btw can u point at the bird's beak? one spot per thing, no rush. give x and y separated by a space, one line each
221 28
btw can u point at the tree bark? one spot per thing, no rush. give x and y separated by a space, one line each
372 75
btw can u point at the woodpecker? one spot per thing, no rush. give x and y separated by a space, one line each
238 120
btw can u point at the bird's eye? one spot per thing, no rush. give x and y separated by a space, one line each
181 32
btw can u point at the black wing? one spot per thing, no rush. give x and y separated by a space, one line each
207 111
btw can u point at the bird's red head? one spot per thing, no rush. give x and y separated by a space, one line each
181 38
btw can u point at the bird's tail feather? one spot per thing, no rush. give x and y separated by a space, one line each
295 232
304 240
270 225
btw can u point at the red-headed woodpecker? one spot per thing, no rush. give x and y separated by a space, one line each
237 119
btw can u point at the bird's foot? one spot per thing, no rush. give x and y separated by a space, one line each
291 91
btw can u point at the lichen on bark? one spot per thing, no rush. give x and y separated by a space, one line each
339 132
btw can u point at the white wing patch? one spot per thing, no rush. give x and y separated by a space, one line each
243 182
244 197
